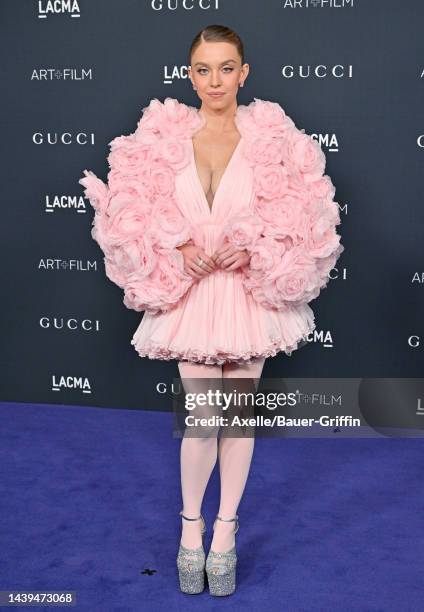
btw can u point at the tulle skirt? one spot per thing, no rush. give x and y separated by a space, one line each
216 321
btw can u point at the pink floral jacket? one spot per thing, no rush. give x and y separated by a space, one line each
291 234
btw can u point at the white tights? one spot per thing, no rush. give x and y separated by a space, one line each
199 455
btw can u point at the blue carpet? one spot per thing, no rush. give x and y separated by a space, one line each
90 500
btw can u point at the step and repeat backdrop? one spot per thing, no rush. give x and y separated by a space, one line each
76 74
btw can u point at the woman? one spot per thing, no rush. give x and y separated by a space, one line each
220 224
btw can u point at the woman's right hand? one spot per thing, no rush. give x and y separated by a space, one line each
191 254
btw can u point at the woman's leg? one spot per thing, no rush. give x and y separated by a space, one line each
198 453
235 455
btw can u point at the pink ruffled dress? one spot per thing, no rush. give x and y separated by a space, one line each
226 316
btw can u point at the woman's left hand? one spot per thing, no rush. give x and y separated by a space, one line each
229 258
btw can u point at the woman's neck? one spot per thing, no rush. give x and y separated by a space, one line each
221 121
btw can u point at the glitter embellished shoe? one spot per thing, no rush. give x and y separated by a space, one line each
221 567
191 564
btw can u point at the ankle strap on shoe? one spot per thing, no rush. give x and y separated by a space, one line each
235 519
187 518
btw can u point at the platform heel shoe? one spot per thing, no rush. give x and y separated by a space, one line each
191 564
221 567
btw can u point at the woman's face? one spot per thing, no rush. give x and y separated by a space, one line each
216 68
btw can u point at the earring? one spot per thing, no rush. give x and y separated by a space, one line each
241 84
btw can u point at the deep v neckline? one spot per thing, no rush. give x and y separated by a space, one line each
199 183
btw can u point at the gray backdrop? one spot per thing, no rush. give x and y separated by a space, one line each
348 72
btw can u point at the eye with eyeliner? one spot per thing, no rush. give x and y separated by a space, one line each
199 70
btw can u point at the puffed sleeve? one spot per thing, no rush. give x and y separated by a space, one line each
137 223
290 234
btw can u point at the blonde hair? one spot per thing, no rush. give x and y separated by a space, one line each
217 33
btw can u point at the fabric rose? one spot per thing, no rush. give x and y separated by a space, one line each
270 181
243 230
265 255
150 115
283 216
321 238
292 279
243 120
330 208
270 118
262 117
133 256
128 156
161 178
171 118
175 153
162 289
322 189
298 189
264 151
129 217
169 228
303 154
146 137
